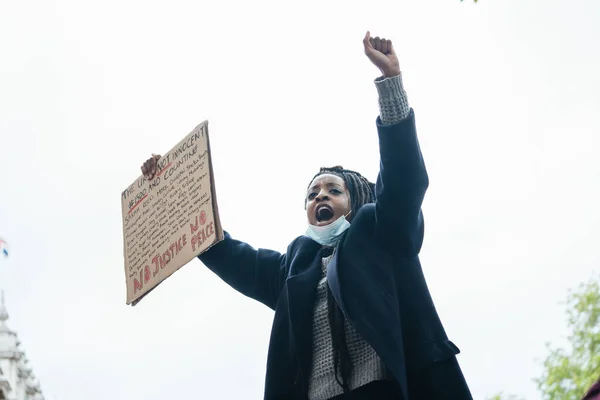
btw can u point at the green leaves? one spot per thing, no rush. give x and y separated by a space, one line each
569 373
501 396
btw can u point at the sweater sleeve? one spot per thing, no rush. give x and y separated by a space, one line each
393 102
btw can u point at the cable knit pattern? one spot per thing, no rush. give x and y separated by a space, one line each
393 102
367 366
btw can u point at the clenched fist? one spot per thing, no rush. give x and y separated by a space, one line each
149 167
381 53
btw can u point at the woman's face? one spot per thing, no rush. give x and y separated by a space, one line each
327 200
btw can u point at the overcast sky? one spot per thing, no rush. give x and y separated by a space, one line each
507 100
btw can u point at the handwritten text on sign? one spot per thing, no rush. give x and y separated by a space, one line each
170 220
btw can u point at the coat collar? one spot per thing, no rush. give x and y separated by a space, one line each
301 291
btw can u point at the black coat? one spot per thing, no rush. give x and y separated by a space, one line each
375 276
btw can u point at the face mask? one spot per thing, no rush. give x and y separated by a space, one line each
328 235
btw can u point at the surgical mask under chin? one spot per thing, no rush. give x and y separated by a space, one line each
328 235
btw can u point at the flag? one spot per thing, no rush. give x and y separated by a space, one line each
3 247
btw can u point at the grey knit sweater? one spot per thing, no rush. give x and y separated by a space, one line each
367 366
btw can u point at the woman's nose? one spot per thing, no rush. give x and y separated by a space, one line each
322 196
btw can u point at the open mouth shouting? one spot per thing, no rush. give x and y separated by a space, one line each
324 213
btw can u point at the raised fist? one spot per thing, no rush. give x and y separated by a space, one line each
149 167
381 53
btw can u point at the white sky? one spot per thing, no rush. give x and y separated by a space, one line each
507 99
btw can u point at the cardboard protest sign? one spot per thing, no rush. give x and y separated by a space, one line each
170 220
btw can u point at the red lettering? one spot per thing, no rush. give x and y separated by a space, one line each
160 262
155 261
202 236
194 228
137 285
167 257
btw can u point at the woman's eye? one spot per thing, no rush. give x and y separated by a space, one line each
335 191
312 196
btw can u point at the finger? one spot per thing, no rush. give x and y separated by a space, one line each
377 44
384 46
390 47
146 170
367 41
151 166
155 158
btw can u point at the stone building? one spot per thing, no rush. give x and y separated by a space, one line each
17 381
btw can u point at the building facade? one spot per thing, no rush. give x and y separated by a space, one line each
17 381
